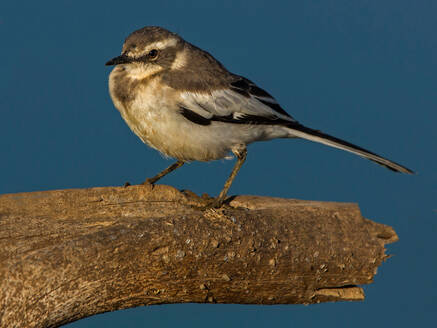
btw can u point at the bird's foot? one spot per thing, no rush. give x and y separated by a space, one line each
149 181
216 202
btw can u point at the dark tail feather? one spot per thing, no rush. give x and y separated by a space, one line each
303 132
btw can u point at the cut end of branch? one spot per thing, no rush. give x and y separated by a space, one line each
347 293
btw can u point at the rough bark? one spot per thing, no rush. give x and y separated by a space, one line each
69 254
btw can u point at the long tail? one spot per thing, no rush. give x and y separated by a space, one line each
303 132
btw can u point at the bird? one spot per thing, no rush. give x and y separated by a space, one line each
181 101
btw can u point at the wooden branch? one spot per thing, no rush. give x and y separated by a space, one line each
69 254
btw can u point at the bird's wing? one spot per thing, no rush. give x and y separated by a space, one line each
245 103
240 102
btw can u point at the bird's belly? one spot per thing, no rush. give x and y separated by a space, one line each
166 130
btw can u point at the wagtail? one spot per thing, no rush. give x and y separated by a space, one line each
183 102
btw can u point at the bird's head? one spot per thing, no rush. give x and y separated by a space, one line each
150 50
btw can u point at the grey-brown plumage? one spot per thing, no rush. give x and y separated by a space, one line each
181 101
201 71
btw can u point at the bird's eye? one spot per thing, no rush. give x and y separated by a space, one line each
153 54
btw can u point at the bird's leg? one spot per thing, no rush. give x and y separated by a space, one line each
241 154
169 169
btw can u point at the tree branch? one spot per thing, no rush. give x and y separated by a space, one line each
69 254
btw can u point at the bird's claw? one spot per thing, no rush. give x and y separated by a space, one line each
148 182
216 203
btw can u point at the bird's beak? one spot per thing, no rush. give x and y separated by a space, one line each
122 59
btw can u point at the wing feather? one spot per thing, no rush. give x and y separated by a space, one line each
242 102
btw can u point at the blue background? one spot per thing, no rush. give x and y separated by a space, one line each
365 71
